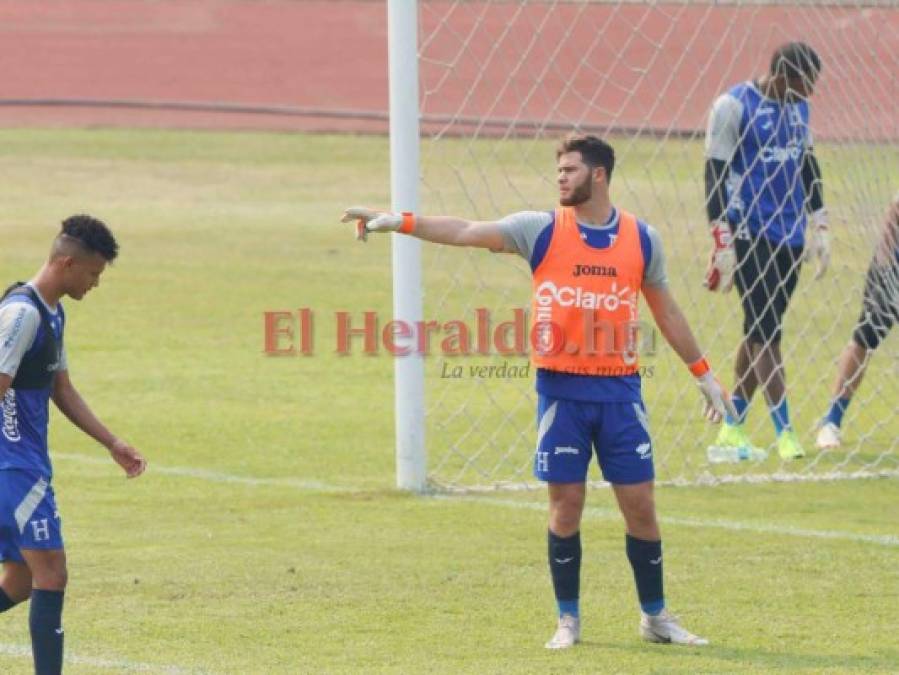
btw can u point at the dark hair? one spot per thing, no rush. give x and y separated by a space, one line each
594 151
796 59
91 234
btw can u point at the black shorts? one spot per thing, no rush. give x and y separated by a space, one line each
880 306
766 277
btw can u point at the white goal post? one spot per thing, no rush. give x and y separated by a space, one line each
409 390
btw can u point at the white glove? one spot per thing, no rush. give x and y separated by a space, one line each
717 400
369 220
720 273
817 244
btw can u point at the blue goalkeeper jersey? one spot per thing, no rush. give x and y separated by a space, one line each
765 187
26 405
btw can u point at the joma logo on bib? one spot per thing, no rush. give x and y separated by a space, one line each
594 270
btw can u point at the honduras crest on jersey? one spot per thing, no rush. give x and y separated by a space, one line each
765 188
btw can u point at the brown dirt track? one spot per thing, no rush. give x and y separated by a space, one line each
599 64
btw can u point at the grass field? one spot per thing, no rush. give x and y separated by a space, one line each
266 536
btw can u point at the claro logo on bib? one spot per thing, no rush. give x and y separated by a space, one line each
601 334
548 294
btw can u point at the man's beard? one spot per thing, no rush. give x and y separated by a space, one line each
578 195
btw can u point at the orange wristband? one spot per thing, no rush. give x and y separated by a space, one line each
700 367
408 223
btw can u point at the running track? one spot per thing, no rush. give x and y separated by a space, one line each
599 64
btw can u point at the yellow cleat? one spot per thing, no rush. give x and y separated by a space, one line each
733 445
788 446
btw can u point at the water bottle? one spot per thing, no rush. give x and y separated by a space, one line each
723 454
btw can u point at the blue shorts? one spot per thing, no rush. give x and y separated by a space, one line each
28 515
569 431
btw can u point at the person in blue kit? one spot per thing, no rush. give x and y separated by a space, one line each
879 312
765 204
34 370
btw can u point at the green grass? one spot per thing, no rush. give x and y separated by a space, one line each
272 577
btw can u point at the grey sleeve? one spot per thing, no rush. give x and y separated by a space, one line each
520 231
655 273
19 322
723 133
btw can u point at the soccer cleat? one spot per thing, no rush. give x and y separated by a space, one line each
788 446
733 445
664 628
828 437
568 633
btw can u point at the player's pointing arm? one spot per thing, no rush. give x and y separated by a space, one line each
437 229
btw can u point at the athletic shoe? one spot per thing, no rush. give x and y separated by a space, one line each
732 444
788 446
567 634
664 628
828 437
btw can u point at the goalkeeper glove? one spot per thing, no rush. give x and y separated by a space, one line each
723 261
717 400
369 220
818 244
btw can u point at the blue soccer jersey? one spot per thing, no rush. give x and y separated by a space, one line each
31 357
764 141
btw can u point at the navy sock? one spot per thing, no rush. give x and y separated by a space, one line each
646 560
5 601
837 408
45 621
565 568
780 415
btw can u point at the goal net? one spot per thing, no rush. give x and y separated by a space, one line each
502 80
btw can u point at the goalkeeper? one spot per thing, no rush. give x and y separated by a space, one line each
761 177
880 310
589 261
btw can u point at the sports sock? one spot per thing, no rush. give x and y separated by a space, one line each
5 601
45 621
780 415
741 404
565 568
837 408
646 560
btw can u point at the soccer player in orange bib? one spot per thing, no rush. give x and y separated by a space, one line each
590 261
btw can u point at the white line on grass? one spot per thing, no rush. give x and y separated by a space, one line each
590 511
107 664
213 476
716 523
